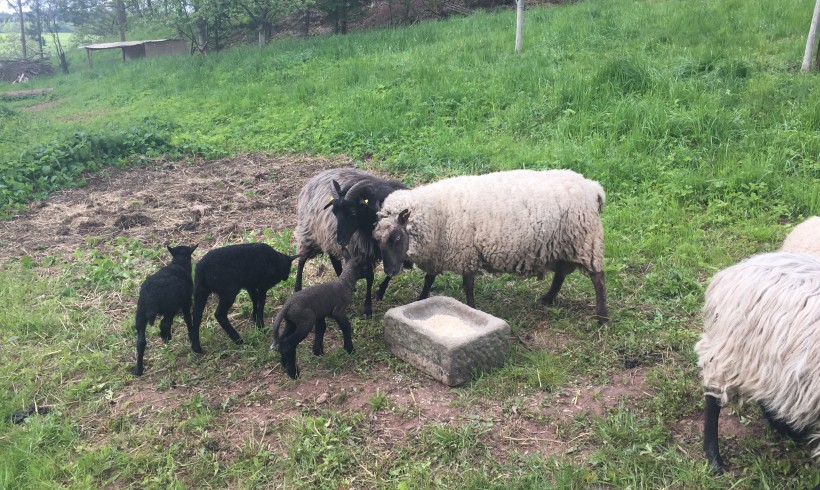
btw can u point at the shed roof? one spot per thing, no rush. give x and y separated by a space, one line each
123 44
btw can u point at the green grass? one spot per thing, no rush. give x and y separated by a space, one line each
692 116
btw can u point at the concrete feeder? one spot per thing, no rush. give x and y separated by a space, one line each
446 339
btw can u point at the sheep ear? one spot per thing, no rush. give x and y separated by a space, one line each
170 251
403 217
336 191
194 247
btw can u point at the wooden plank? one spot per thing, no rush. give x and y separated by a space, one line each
26 93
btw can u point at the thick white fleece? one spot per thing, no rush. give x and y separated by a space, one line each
517 221
805 237
761 338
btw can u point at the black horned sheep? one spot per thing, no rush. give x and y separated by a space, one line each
337 208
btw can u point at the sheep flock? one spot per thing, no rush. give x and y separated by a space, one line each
761 316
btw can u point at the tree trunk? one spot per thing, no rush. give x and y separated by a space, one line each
22 27
38 28
345 8
519 25
812 39
121 18
202 36
307 22
817 58
261 36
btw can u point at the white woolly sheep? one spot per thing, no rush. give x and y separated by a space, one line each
761 342
524 221
353 197
805 237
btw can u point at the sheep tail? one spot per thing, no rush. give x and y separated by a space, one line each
276 322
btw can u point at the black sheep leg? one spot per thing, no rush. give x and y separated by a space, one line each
319 337
258 298
368 300
382 288
221 315
186 316
299 268
165 327
200 298
254 296
347 332
710 434
288 347
468 283
562 269
337 264
600 297
428 283
141 342
782 428
290 327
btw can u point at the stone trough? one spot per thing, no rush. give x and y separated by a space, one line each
446 339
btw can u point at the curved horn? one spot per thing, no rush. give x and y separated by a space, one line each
362 189
335 194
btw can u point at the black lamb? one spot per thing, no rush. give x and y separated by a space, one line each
255 267
307 309
354 197
165 293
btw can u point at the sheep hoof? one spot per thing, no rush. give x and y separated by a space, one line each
367 316
198 350
717 467
137 371
546 301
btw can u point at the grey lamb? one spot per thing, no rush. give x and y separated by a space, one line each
308 308
255 267
166 293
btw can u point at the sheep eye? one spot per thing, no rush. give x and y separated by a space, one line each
398 238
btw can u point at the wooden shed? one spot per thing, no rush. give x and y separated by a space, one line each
141 49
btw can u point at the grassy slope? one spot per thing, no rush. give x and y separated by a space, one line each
689 113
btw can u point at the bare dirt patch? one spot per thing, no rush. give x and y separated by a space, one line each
43 105
177 202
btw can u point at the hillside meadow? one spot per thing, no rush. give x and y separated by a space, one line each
692 115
